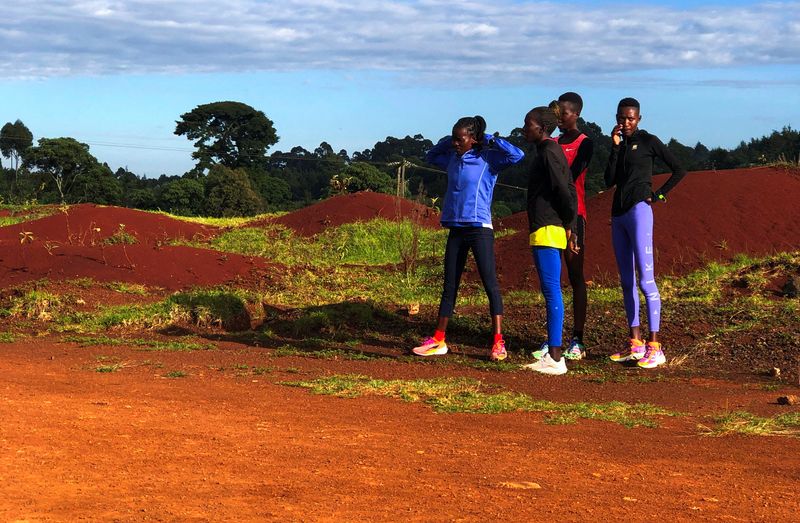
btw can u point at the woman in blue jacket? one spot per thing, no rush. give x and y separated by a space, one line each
472 159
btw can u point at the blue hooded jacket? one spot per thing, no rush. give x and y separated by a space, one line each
471 178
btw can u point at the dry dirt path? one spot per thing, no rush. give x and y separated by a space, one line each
222 445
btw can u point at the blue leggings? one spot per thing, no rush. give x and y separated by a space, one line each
632 236
459 242
548 267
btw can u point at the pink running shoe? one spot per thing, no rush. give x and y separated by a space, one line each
653 356
430 347
498 351
636 352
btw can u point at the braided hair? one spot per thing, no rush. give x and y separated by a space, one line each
546 117
474 125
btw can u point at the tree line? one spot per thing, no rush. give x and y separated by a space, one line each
234 175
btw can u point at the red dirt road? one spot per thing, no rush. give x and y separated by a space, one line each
218 445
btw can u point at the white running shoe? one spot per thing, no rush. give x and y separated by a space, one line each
548 365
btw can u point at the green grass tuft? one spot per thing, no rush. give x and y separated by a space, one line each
127 288
36 305
216 307
741 422
141 344
231 309
371 243
218 222
323 354
465 395
25 213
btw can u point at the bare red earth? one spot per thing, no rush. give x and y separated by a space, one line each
349 208
710 216
224 444
81 224
72 244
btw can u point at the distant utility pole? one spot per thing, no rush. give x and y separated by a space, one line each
401 176
401 180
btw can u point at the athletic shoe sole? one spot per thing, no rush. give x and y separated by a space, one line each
428 352
634 356
550 371
660 360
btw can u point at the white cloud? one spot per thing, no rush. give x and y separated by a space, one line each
473 30
503 41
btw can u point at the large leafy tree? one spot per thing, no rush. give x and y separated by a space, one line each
360 176
63 161
97 185
232 134
307 173
274 191
394 149
230 193
184 196
15 139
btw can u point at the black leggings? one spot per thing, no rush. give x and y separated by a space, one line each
459 242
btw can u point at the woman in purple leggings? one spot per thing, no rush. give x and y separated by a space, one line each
630 169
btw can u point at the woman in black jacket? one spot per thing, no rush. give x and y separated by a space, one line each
552 206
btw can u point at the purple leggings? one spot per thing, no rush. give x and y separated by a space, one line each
632 236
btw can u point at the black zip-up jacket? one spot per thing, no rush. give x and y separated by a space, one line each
551 192
630 168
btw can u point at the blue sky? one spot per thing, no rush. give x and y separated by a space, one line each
118 74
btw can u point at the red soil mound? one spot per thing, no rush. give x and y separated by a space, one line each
711 215
79 225
349 208
68 245
169 267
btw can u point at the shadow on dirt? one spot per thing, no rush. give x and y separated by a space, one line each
353 327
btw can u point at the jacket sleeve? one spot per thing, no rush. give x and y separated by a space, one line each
678 172
610 175
500 153
565 200
440 154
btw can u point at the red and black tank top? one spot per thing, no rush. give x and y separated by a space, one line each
571 151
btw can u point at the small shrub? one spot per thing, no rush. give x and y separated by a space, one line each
35 305
121 237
